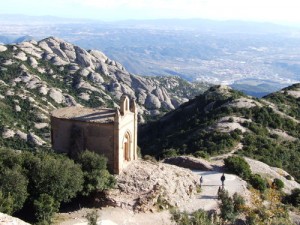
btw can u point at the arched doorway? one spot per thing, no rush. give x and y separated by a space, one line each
126 147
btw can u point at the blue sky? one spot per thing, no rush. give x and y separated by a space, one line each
286 11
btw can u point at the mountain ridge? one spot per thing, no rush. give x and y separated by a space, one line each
37 77
220 119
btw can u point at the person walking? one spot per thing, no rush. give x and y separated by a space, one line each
223 180
201 181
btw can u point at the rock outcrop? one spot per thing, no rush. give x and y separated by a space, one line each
9 220
147 186
271 173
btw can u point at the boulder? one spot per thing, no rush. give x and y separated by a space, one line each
33 62
9 220
56 95
34 139
152 102
69 50
8 133
83 58
40 125
17 108
84 96
21 56
43 90
98 55
3 48
31 49
96 78
21 135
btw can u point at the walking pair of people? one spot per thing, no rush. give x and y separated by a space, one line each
222 180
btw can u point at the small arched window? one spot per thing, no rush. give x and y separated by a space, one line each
126 147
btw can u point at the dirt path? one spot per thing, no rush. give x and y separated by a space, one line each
207 199
116 216
220 158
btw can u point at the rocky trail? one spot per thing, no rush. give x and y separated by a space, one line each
206 200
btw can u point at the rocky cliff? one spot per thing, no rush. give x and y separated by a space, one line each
37 77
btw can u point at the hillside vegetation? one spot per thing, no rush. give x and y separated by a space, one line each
221 118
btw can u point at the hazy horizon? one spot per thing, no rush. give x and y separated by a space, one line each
276 11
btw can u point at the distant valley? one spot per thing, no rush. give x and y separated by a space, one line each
257 58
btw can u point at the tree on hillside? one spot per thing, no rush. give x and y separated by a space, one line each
54 175
95 173
13 184
238 166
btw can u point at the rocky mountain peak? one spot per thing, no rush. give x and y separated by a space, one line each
38 77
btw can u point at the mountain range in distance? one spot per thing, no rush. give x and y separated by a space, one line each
257 58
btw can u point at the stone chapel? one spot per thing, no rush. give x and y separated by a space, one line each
111 132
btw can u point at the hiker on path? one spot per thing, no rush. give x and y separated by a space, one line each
201 181
222 180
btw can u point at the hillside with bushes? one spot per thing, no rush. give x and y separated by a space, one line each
217 121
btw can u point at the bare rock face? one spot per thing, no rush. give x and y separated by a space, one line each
9 220
3 48
33 62
83 58
41 125
18 108
95 65
189 162
21 135
271 173
243 103
152 102
36 140
8 133
56 95
96 78
147 186
98 55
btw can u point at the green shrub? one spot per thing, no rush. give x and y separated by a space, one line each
55 175
149 158
45 207
171 152
278 184
238 202
201 154
6 204
258 182
92 217
96 176
288 177
238 166
294 197
198 217
228 212
13 185
180 218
